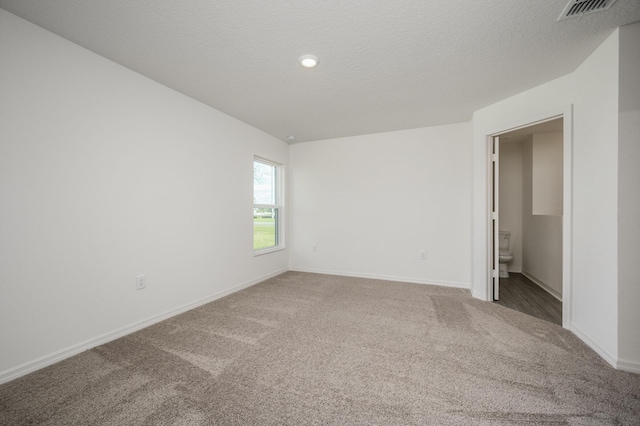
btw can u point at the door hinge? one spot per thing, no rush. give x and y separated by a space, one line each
494 216
494 157
494 273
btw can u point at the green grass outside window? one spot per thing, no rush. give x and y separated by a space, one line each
264 233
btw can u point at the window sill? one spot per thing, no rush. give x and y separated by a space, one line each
267 250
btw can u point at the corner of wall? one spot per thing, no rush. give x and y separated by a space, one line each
629 199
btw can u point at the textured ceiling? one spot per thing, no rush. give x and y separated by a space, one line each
384 64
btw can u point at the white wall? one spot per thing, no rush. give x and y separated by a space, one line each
593 91
629 196
542 102
542 234
104 175
595 199
371 204
510 198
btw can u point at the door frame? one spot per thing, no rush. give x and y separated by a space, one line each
566 113
494 217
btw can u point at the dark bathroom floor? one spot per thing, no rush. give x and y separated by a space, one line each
521 294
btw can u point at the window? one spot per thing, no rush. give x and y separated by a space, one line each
267 208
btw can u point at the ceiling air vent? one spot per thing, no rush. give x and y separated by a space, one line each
577 8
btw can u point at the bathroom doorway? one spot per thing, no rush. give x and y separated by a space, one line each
529 185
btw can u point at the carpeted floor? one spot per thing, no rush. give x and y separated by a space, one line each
315 349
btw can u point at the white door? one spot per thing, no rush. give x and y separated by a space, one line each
495 246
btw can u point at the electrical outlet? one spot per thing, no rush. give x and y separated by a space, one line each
141 282
423 255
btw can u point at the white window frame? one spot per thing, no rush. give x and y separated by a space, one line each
278 206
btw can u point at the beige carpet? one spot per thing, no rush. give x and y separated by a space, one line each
315 349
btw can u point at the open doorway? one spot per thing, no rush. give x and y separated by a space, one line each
527 192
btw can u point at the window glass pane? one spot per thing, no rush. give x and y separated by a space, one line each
266 220
265 228
264 183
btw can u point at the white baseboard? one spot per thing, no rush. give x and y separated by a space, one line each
515 269
611 359
542 285
614 361
481 296
453 284
39 363
630 366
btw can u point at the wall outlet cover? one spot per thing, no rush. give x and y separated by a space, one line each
141 282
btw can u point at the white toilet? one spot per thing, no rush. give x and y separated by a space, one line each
505 256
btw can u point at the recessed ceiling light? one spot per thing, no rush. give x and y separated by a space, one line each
308 61
291 138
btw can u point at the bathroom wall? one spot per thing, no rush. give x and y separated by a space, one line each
511 199
547 174
541 234
536 240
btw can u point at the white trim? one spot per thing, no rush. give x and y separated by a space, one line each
612 360
494 221
268 250
452 284
566 113
630 366
44 361
478 295
266 161
541 284
489 192
567 216
280 216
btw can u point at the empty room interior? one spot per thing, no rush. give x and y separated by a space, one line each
380 212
